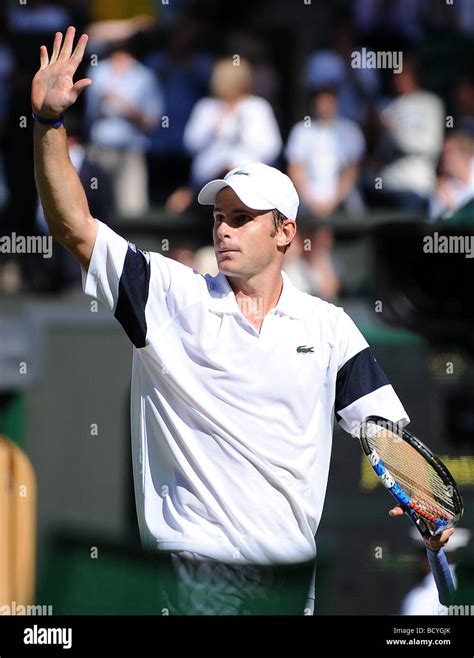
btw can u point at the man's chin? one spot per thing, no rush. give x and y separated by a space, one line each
225 268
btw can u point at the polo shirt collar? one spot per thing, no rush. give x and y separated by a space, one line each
222 297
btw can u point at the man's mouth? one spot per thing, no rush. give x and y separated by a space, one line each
226 252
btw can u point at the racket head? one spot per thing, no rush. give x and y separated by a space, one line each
413 474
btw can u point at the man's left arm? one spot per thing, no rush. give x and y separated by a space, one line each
363 389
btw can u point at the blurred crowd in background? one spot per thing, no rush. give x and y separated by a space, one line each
185 91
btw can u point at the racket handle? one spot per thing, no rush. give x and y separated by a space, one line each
442 575
437 560
418 522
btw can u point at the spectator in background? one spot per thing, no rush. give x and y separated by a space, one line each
119 123
357 87
455 185
227 130
184 253
183 72
24 26
313 269
411 143
41 16
464 17
205 261
324 153
6 70
464 99
389 19
265 77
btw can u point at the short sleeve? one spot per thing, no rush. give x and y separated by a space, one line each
297 145
119 277
153 104
143 290
362 388
201 125
353 142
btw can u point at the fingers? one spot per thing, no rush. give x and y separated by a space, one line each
80 85
66 50
434 543
446 535
439 541
58 37
63 54
396 511
44 58
78 53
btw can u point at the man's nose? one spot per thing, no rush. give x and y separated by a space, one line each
223 230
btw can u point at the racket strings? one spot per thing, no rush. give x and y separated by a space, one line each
413 473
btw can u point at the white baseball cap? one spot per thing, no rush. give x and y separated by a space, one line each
259 186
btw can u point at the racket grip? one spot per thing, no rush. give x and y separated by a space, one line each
442 575
418 522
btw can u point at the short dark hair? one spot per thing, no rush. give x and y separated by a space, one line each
278 220
319 90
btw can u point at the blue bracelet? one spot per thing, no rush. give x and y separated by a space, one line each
49 122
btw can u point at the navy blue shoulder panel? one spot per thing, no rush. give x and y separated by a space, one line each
359 376
134 286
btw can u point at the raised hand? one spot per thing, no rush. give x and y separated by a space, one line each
53 89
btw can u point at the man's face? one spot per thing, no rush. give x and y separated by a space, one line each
325 106
244 239
453 160
405 81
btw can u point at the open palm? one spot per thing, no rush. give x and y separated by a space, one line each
53 89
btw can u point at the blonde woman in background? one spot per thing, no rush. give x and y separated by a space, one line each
226 130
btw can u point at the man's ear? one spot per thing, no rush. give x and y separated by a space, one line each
286 233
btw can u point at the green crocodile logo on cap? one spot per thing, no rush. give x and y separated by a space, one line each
241 172
302 349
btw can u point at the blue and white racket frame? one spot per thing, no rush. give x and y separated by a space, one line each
427 528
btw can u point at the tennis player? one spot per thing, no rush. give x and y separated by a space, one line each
235 378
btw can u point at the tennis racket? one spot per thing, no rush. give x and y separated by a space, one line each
418 480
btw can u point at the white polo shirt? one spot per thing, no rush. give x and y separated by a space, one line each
232 428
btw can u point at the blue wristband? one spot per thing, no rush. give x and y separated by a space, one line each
49 122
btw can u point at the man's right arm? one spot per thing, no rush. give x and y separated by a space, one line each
62 195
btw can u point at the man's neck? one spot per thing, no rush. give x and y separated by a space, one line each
257 295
